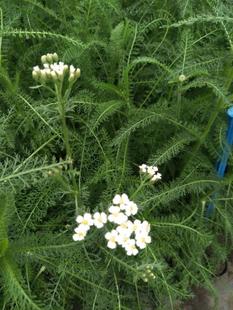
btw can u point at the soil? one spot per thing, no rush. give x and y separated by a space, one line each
222 299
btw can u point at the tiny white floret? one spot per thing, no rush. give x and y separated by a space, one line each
112 237
131 248
86 220
80 234
120 199
131 208
142 240
99 219
143 168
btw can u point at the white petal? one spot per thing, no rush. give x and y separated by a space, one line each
111 245
98 224
124 199
76 237
83 228
107 235
150 170
135 251
141 245
87 216
114 209
143 168
72 69
123 206
79 218
121 218
111 218
116 200
96 215
103 217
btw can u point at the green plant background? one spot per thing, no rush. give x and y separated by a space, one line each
129 107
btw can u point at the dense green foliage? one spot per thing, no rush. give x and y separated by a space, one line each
129 107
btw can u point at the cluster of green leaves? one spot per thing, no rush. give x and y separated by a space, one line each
129 107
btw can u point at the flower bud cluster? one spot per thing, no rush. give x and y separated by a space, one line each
49 58
53 70
130 235
148 274
152 171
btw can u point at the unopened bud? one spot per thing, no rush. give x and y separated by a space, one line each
72 78
60 75
36 69
35 75
55 57
42 269
54 75
72 69
43 75
182 78
77 73
66 67
43 59
203 202
49 58
47 72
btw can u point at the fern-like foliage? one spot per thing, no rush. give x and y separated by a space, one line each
156 80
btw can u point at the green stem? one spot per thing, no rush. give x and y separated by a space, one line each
178 103
61 105
62 100
143 183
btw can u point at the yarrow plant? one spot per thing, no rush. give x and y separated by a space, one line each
130 235
139 102
151 171
58 73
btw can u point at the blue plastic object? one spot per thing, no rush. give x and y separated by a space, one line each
222 164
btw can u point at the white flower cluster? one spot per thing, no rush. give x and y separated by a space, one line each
53 70
130 235
152 171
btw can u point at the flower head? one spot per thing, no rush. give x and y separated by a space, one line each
152 171
131 248
143 168
116 215
120 200
86 221
99 219
80 233
131 208
112 238
142 240
54 70
134 226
